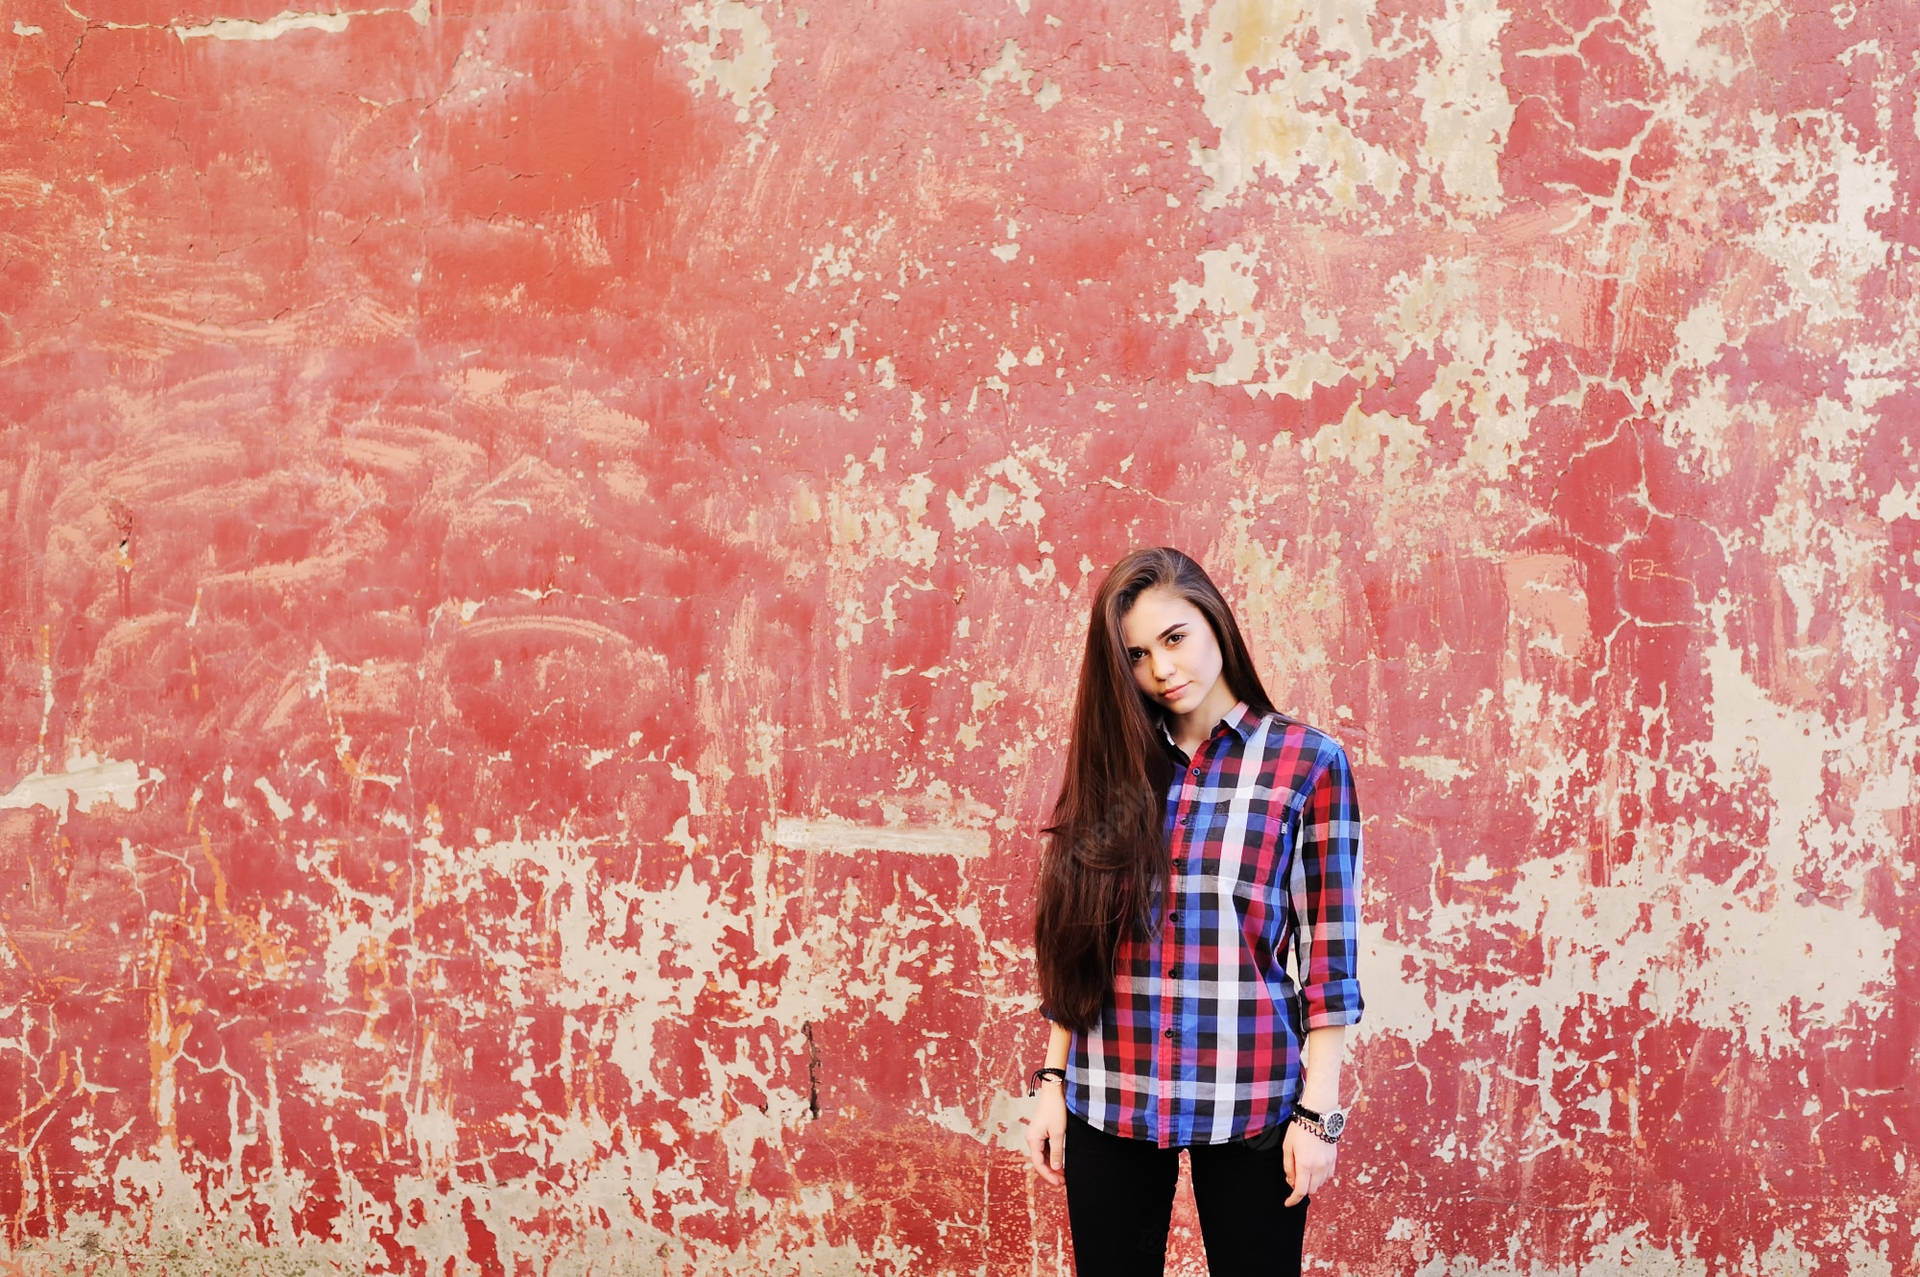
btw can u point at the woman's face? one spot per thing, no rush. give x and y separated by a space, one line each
1176 659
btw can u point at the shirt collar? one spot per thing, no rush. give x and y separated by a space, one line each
1239 720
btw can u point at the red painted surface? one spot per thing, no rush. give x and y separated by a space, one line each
545 550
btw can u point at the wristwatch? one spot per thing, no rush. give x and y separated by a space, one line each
1327 1126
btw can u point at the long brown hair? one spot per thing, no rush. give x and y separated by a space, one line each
1106 852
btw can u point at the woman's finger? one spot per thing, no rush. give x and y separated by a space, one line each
1296 1158
1046 1152
1049 1160
1316 1170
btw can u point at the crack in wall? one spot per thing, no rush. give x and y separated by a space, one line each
813 1071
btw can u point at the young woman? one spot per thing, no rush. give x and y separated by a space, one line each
1201 839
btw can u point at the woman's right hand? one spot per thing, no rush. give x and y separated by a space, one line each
1047 1133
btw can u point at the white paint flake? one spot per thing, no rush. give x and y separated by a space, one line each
732 53
88 781
281 807
830 834
1288 125
1465 106
287 20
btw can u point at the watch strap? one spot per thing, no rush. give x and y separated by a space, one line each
1325 1127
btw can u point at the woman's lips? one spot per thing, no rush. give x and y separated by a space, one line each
1172 692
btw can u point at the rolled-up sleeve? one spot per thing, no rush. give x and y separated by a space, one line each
1325 895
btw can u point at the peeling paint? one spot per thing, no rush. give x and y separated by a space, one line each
547 549
88 781
287 20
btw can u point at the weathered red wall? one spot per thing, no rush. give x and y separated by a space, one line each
545 549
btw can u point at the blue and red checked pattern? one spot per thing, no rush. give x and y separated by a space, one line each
1200 1040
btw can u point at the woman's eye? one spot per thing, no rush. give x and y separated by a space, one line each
1173 640
1134 655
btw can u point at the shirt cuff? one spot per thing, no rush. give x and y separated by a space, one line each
1335 1003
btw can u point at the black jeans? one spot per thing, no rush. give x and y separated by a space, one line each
1120 1202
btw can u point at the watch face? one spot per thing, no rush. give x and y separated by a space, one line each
1335 1122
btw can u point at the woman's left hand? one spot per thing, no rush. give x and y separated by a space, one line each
1308 1161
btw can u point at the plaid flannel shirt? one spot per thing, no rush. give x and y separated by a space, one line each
1200 1040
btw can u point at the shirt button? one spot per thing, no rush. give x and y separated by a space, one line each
1169 1033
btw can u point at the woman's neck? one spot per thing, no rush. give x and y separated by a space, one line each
1191 729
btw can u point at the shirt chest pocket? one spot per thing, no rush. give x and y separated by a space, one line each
1246 862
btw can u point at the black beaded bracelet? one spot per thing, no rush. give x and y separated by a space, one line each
1042 1075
